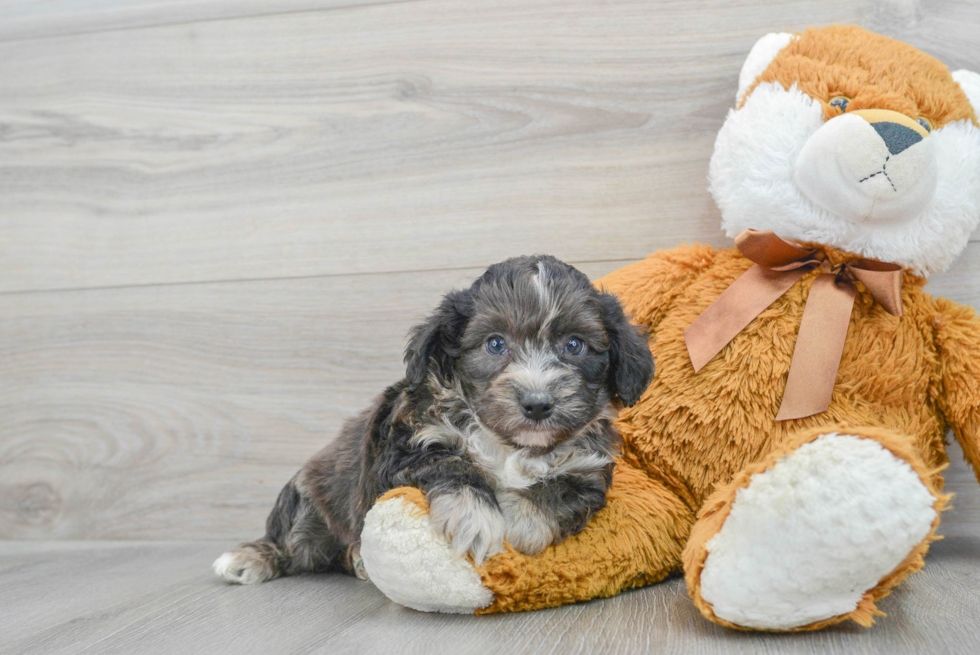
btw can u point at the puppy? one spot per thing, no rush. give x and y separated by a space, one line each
504 421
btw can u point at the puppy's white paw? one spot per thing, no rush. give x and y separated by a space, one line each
357 562
470 523
527 528
244 567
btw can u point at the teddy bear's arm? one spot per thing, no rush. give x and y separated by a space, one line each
958 341
635 540
647 288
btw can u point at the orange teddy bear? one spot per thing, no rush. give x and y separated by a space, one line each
787 456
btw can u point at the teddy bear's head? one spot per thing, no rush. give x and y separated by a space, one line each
852 140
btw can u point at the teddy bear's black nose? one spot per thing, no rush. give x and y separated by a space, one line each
896 137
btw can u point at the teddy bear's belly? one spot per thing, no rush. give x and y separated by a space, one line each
699 429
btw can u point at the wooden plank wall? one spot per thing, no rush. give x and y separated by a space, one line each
218 219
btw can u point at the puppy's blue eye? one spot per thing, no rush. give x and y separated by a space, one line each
840 102
496 346
574 346
925 122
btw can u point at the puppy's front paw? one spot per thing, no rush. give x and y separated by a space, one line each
471 524
527 528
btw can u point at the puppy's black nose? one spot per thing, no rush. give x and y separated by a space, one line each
537 405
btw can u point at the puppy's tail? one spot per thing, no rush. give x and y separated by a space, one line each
256 561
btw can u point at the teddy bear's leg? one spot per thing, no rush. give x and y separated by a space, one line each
637 539
815 533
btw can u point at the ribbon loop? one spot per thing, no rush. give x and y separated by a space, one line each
767 249
779 264
883 281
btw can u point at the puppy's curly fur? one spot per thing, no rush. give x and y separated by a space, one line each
504 420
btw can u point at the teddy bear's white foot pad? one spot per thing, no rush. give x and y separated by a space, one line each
414 565
807 538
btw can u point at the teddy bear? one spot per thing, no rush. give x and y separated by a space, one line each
787 457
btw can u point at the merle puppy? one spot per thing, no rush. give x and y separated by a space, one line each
504 420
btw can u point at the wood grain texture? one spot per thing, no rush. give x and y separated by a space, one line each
327 142
324 142
29 19
179 411
217 224
151 597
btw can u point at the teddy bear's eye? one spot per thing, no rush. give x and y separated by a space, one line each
925 122
840 102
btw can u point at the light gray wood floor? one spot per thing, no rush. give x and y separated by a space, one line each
159 597
217 221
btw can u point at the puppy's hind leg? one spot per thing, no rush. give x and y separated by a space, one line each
256 561
297 540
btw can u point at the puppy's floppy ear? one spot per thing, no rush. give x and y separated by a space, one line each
434 344
630 361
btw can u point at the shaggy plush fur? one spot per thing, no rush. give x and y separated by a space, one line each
757 151
707 443
873 71
434 579
636 540
798 541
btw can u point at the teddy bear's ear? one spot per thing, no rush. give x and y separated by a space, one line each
970 83
761 55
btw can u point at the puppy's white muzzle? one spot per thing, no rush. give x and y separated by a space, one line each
869 166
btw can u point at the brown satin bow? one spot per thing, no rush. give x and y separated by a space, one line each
779 264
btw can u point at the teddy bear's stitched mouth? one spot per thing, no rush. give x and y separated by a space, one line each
884 172
848 169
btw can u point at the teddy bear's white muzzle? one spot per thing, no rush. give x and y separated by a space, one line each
869 166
